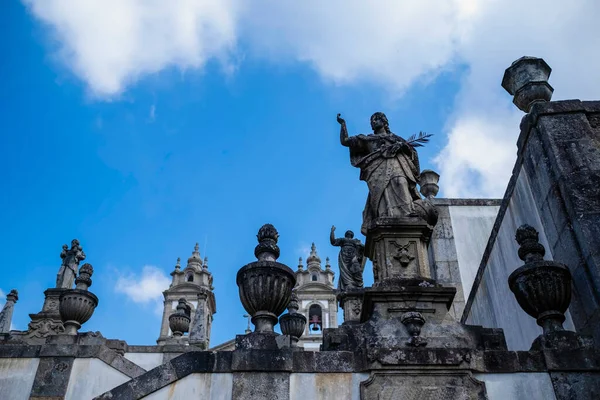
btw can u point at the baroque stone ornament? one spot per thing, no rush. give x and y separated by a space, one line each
265 286
76 306
409 385
527 80
414 321
389 165
68 269
179 321
293 323
542 288
351 260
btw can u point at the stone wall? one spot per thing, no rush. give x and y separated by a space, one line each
458 242
16 377
560 148
554 188
492 303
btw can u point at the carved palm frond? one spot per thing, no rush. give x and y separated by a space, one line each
419 140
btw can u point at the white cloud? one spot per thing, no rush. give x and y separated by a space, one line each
145 288
152 114
112 43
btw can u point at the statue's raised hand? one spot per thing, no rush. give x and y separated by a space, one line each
340 120
333 229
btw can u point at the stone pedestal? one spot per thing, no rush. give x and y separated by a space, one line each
47 322
398 248
351 301
262 341
398 296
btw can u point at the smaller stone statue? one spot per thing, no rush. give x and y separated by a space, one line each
351 260
68 269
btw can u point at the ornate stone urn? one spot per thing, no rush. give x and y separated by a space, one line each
293 323
76 306
414 321
179 321
428 183
265 286
527 80
542 288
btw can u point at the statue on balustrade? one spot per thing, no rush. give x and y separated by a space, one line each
68 269
390 167
351 260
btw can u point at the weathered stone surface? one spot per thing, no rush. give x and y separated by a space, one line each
576 385
52 377
262 360
398 248
456 385
261 385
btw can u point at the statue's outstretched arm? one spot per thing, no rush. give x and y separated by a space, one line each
332 239
344 140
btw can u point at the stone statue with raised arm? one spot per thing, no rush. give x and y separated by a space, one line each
68 269
390 166
351 260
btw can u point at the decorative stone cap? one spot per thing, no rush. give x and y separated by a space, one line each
84 281
527 80
13 296
293 305
267 249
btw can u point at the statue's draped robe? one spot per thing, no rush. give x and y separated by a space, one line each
351 262
391 172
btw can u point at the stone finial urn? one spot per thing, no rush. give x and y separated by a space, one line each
179 321
542 288
76 306
265 286
527 80
293 323
428 182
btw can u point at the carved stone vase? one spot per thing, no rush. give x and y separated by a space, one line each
265 286
179 322
542 288
414 321
76 306
428 182
293 323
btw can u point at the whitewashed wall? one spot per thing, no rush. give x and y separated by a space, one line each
147 361
472 226
16 377
197 386
494 305
91 377
346 386
520 386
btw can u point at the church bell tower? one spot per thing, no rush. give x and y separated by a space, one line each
316 297
194 285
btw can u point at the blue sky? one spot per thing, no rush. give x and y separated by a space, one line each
142 151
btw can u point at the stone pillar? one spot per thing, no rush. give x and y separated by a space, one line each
351 302
7 311
47 322
200 326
